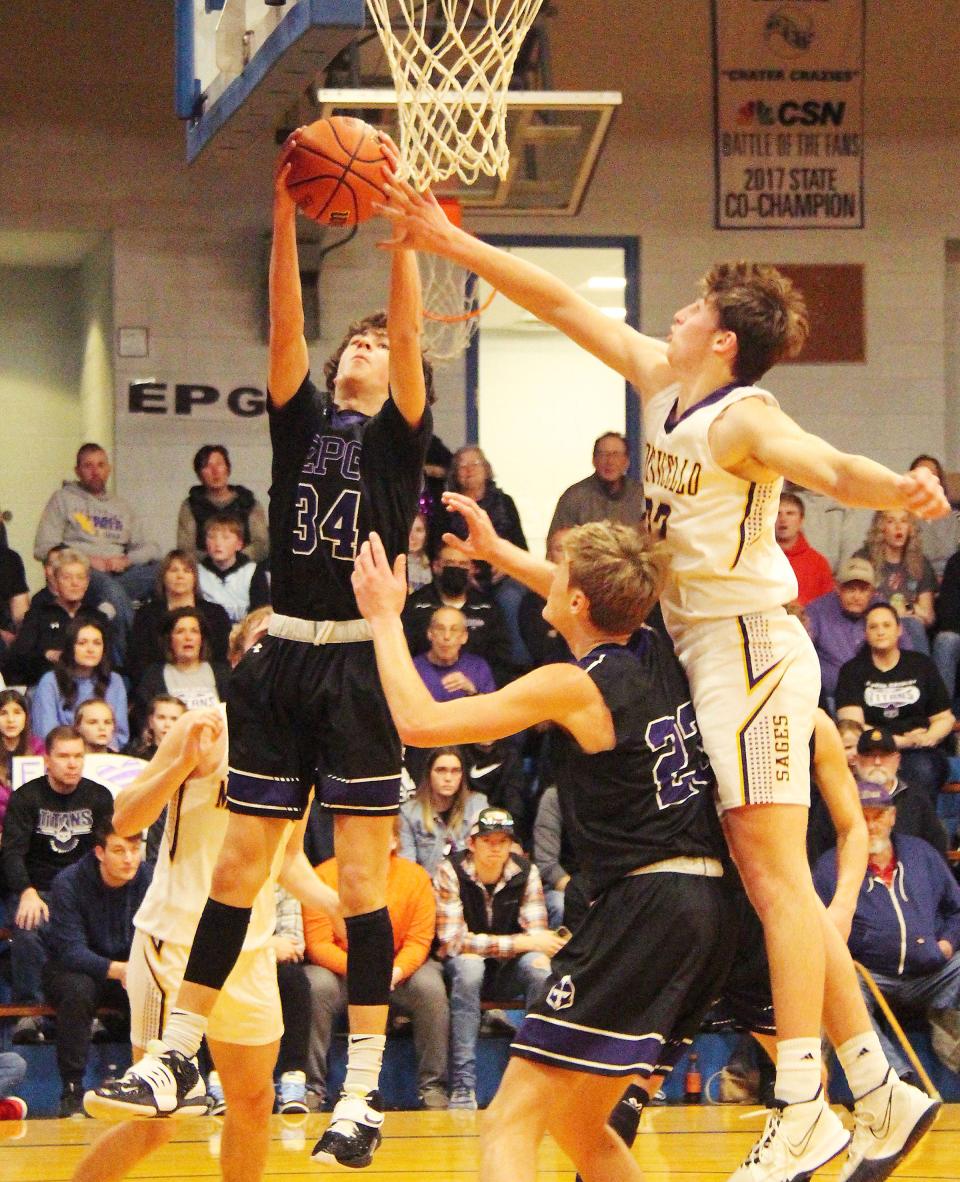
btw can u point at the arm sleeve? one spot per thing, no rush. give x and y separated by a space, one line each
948 601
485 681
497 647
825 876
17 828
139 550
422 928
116 698
515 527
849 688
259 534
25 660
43 709
322 946
949 904
563 515
407 846
546 838
936 698
186 530
67 936
49 529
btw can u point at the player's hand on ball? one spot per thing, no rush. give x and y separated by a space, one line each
380 591
923 494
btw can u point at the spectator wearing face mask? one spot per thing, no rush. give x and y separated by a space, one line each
451 587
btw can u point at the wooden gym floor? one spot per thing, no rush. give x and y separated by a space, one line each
701 1144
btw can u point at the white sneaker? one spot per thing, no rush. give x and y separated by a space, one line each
162 1083
888 1122
797 1139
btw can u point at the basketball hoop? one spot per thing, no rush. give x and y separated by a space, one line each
452 88
451 307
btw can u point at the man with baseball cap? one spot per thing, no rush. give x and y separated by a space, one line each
906 927
878 762
492 936
835 621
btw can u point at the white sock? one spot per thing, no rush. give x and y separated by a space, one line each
184 1032
364 1056
863 1062
798 1070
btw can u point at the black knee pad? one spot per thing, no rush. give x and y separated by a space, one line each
216 946
369 958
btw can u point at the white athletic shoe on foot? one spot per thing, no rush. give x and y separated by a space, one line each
162 1083
797 1139
888 1122
353 1134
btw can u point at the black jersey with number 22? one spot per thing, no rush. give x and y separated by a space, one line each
337 476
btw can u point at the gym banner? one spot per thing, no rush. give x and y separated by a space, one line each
788 114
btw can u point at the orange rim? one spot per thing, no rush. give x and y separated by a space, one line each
454 211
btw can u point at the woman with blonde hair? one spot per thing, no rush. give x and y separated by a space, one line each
438 819
905 578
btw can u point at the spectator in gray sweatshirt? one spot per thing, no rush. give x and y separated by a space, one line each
100 524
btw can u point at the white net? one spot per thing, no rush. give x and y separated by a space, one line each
452 303
451 62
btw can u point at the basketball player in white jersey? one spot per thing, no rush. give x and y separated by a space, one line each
188 774
717 450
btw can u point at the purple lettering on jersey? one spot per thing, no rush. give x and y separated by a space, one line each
331 451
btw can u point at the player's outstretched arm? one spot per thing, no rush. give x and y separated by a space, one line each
404 315
194 740
758 441
485 544
289 360
553 693
420 223
839 792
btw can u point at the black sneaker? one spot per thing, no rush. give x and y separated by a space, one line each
162 1083
71 1099
353 1133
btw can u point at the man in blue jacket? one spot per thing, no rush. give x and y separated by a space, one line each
92 905
906 927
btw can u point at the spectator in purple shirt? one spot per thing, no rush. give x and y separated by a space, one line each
447 671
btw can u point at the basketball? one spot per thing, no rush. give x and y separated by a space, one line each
337 171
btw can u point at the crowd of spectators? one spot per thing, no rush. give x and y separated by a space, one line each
483 877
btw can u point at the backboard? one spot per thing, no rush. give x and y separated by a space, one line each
249 71
555 138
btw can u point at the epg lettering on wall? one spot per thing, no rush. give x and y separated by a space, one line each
194 400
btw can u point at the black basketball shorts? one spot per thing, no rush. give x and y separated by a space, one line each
627 993
300 715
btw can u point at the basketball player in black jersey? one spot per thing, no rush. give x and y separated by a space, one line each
305 706
746 1002
632 985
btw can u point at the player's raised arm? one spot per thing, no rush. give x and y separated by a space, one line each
553 693
485 544
758 441
419 223
289 359
193 739
404 315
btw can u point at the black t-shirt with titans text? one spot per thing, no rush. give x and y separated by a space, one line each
902 698
337 476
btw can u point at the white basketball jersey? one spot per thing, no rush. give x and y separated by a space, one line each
718 528
196 823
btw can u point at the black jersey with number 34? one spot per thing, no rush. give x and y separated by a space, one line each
337 476
651 796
